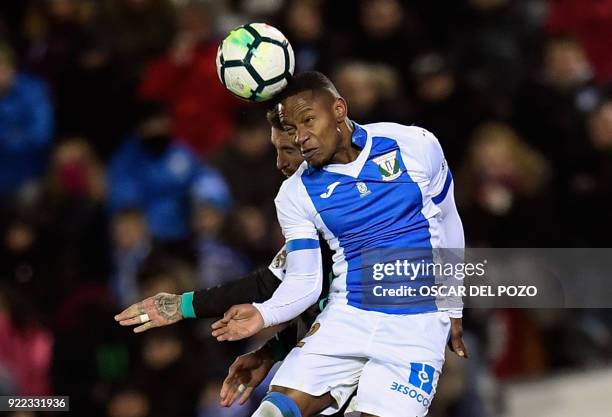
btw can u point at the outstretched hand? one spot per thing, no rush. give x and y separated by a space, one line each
160 310
245 374
455 343
239 322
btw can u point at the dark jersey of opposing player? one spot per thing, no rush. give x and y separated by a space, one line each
257 287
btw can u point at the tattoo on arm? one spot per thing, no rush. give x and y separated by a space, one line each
168 306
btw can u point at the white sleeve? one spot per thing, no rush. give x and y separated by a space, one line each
451 229
454 244
442 189
303 279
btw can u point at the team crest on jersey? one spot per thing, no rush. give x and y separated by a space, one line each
363 189
388 166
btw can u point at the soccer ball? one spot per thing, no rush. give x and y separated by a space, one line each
255 61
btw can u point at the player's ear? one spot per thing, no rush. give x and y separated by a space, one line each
340 109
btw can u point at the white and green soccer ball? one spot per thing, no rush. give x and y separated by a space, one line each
255 61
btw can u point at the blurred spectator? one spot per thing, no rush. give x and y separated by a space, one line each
560 95
128 402
138 30
25 345
186 79
167 356
373 90
491 47
517 344
71 212
54 30
252 233
249 165
24 259
154 174
303 24
590 21
12 16
502 188
217 262
162 272
94 97
87 358
600 126
441 106
131 246
589 184
249 153
26 125
388 33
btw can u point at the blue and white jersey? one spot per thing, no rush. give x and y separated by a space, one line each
391 197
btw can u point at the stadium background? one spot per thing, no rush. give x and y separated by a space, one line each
103 202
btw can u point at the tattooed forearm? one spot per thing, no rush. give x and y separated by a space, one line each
168 306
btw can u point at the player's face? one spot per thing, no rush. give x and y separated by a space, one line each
288 155
309 120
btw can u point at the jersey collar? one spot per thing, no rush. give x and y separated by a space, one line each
360 136
361 139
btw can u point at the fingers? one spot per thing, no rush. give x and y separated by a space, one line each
132 311
220 331
218 324
227 317
231 390
229 384
245 395
238 390
131 322
225 389
230 380
228 337
459 346
148 325
234 394
457 338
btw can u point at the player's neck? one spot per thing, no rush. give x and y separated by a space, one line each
346 152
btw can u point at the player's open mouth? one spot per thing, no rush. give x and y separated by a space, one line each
308 153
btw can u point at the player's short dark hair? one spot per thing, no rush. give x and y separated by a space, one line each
308 81
274 118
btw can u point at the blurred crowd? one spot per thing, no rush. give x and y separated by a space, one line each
126 169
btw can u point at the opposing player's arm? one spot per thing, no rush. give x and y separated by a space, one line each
257 286
164 309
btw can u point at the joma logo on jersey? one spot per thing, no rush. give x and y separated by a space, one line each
388 166
330 189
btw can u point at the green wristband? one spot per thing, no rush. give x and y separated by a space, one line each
187 305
